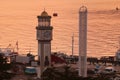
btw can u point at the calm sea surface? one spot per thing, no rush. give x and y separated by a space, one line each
18 20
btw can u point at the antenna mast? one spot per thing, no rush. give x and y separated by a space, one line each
72 44
83 2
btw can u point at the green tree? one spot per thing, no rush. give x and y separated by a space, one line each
65 73
3 63
4 66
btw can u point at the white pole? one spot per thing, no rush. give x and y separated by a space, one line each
83 41
119 43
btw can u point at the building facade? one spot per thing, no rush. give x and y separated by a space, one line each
83 41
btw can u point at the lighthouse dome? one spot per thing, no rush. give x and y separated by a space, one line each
44 13
83 9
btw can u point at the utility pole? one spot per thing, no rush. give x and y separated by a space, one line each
72 44
119 43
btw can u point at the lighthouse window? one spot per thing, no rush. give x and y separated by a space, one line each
40 19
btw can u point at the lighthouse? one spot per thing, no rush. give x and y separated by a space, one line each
44 37
83 41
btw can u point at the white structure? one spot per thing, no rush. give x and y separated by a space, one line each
118 52
83 41
22 59
118 55
44 37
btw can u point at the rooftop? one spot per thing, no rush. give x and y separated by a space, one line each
44 13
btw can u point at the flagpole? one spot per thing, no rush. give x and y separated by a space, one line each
17 46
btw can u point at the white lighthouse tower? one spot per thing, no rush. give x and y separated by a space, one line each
83 41
44 37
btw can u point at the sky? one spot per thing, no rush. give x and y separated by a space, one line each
18 19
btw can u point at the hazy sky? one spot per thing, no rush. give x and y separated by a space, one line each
18 19
6 4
